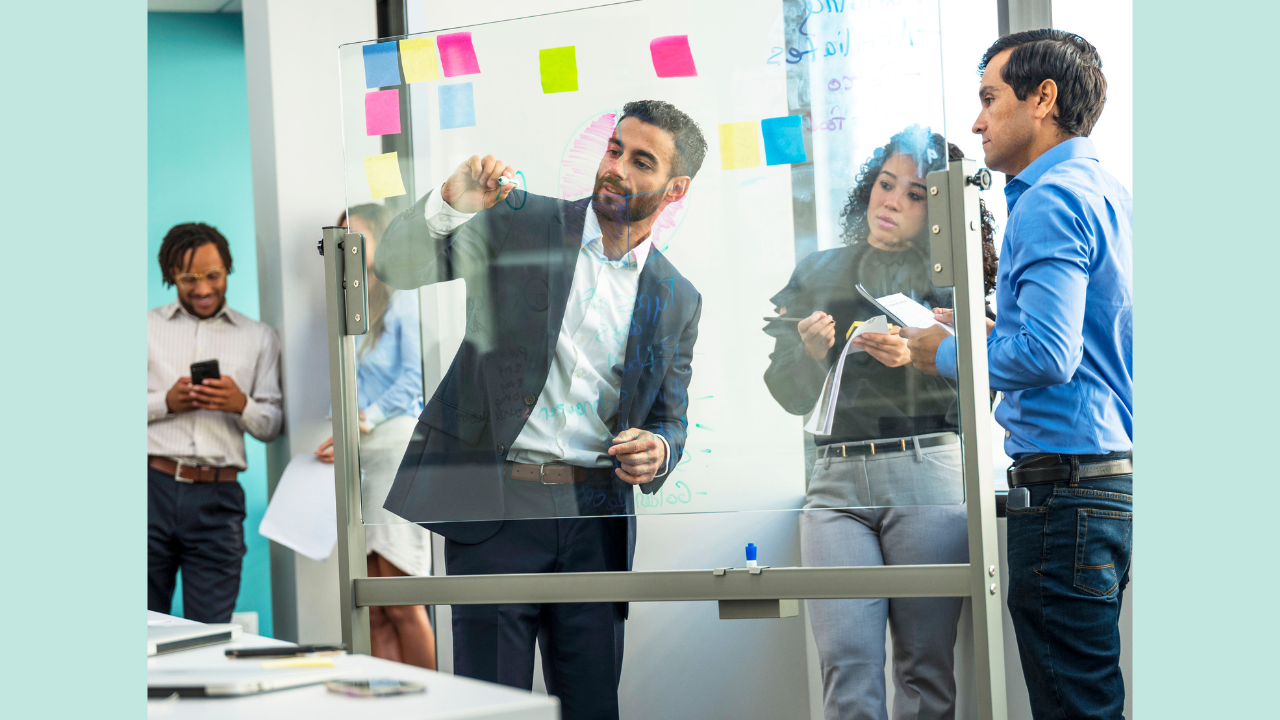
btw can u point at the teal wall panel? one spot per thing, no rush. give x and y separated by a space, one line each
198 170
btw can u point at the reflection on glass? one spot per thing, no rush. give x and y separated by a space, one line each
570 387
884 411
389 395
785 134
886 483
565 210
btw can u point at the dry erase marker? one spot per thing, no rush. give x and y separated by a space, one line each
504 180
751 555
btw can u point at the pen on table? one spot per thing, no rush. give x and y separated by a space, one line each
783 319
287 651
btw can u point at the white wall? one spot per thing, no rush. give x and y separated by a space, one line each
1108 25
291 57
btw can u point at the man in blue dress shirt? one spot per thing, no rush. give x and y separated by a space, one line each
1062 352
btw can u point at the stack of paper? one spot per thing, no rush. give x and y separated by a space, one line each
303 512
911 312
824 412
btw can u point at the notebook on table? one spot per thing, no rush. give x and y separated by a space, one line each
232 681
163 639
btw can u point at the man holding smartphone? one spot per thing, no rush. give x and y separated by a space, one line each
195 429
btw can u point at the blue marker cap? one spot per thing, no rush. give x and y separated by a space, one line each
751 551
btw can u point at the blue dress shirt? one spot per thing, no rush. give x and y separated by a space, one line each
1062 348
389 376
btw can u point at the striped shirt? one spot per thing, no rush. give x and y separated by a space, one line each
247 351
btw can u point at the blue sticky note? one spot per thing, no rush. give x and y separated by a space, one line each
381 65
783 140
457 106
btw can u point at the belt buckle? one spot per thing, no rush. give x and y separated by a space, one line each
542 474
177 473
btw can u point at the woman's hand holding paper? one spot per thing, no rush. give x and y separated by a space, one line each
890 349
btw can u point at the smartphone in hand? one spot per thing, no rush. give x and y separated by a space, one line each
204 370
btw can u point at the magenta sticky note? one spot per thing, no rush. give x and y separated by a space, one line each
382 112
671 56
457 55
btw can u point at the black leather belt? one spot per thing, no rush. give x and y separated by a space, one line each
1050 468
879 447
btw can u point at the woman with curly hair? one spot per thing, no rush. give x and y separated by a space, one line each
886 485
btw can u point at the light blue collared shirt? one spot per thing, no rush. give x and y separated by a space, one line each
389 375
1062 348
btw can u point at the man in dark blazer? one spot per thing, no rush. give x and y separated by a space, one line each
569 389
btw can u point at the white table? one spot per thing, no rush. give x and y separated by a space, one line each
447 697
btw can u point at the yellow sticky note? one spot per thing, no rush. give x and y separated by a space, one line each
559 67
739 145
418 56
291 663
383 174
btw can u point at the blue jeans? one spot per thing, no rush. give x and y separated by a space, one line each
1069 553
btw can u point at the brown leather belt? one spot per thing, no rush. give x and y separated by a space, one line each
549 474
185 473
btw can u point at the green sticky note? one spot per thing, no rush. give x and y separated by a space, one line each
559 69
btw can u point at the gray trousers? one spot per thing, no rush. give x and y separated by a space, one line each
850 633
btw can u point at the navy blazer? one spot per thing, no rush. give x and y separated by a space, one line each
518 259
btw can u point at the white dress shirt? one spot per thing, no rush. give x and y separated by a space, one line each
573 420
247 351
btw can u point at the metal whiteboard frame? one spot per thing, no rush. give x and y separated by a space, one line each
954 223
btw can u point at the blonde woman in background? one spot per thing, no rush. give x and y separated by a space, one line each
389 392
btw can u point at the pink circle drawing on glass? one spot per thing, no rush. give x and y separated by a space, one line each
581 161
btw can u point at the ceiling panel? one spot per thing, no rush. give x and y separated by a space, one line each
194 6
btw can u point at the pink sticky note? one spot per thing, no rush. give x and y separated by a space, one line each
457 55
671 56
382 112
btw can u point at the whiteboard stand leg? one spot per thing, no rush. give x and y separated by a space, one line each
955 232
346 430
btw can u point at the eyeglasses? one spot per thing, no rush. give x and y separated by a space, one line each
189 280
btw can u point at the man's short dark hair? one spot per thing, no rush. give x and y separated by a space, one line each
184 238
1065 58
691 147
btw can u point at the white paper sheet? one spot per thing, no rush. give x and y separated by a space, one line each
911 312
824 411
303 512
